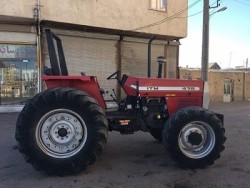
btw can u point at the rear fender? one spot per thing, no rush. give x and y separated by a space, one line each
88 84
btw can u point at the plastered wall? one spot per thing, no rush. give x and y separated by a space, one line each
216 79
119 14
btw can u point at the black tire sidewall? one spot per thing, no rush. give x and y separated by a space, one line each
176 123
84 106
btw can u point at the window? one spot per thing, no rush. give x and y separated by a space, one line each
18 73
158 4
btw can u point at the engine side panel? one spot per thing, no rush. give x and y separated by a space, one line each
178 93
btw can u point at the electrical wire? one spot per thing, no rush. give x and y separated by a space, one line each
167 18
243 3
197 13
174 16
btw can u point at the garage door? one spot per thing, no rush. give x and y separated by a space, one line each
172 61
93 56
135 58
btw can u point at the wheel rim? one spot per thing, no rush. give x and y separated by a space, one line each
61 133
196 139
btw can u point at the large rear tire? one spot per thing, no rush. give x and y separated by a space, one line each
61 131
194 137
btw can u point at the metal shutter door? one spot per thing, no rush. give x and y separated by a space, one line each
172 61
95 57
135 58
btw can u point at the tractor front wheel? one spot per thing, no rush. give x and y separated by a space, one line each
156 133
194 137
61 131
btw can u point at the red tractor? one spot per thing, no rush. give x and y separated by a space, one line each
64 129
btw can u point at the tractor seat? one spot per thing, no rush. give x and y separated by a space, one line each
47 71
102 91
124 79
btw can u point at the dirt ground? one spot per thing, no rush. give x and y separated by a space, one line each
138 160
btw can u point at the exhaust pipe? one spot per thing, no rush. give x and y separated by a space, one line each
149 55
160 60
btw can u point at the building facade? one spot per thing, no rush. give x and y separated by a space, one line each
99 37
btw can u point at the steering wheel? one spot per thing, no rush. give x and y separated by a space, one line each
112 75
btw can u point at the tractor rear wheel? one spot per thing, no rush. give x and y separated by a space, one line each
194 137
61 131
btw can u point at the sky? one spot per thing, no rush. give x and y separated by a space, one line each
229 43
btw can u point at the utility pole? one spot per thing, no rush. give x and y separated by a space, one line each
205 42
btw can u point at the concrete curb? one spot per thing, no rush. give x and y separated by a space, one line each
11 108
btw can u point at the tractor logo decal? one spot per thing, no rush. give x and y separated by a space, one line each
166 88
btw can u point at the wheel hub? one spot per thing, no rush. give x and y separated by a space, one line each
196 139
61 133
193 137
